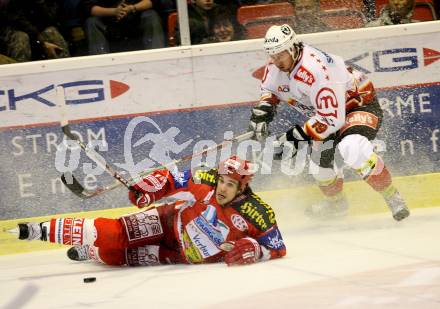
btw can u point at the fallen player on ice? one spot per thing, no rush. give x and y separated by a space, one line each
215 217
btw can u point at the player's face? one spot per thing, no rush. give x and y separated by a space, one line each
224 31
283 61
401 6
227 189
205 4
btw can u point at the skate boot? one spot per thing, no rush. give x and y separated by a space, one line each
30 231
328 208
397 206
79 253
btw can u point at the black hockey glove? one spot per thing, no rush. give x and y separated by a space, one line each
295 136
261 116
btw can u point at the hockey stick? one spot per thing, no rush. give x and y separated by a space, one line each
67 178
75 186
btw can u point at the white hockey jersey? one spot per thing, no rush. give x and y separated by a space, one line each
321 87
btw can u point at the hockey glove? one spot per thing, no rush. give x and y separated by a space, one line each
138 198
141 193
243 251
295 136
261 116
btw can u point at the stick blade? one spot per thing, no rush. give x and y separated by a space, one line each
74 185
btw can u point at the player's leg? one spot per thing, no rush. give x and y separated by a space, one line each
148 255
357 151
133 230
329 181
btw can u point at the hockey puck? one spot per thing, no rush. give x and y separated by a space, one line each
89 279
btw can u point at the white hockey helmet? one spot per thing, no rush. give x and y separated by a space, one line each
279 39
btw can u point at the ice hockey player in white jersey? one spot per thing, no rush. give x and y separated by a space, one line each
343 117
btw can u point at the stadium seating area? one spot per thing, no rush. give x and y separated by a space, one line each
254 19
337 14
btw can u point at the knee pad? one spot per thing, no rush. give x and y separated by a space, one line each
355 150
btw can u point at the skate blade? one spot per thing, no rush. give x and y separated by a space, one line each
14 231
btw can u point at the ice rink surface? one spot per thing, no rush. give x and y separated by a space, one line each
356 262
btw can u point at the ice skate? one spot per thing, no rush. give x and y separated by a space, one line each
397 206
328 208
29 231
79 253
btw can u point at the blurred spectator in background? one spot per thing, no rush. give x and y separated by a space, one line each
28 30
370 9
306 18
120 26
199 14
224 27
72 21
394 13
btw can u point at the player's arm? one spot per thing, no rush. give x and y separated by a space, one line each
157 185
264 240
264 112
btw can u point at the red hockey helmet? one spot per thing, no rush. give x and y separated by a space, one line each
238 169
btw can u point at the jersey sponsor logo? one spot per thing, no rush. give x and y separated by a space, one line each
191 252
205 177
326 103
392 60
239 222
214 234
200 240
146 255
303 75
77 92
142 225
272 239
360 119
72 231
254 210
309 111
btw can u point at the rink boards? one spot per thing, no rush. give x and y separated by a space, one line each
202 91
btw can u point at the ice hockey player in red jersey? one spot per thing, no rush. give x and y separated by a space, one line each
341 110
211 216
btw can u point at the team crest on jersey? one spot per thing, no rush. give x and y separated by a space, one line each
303 75
239 222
